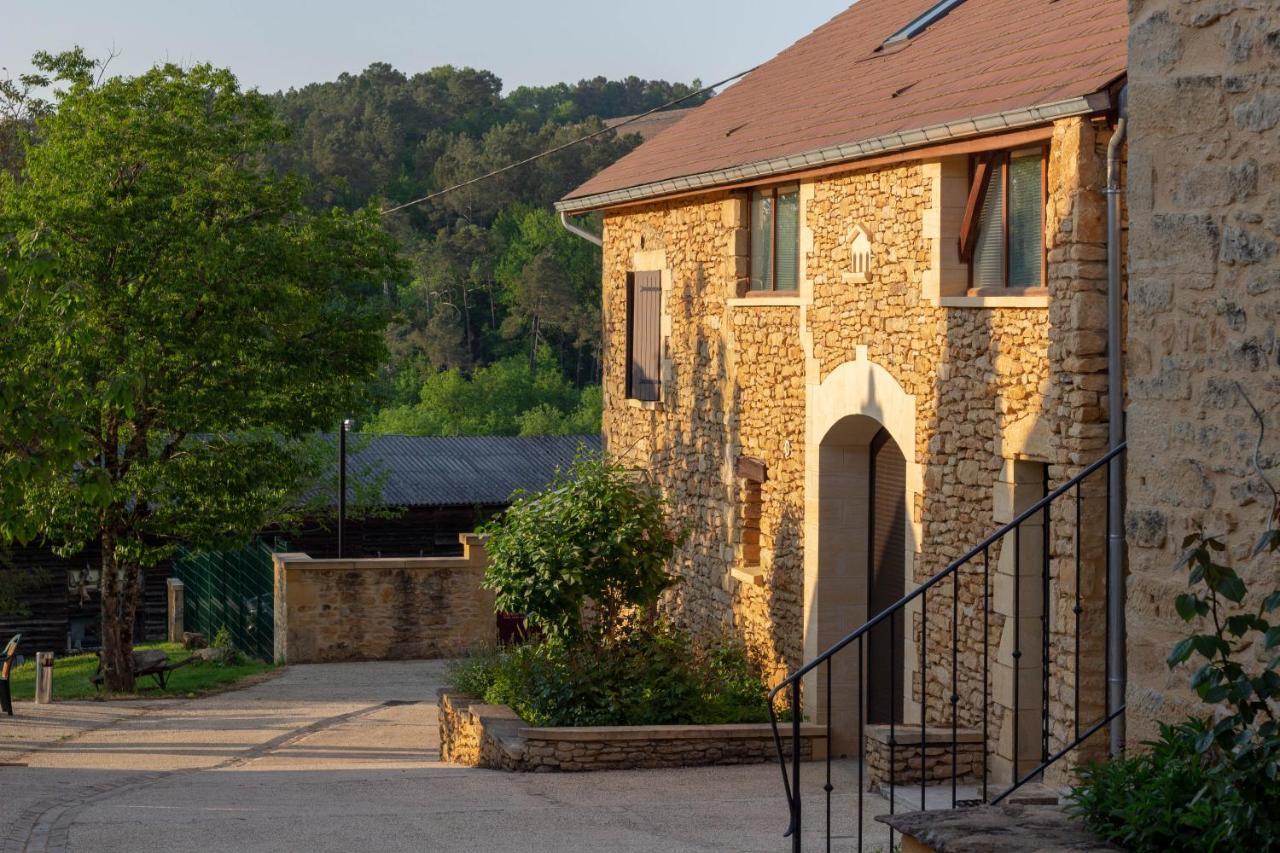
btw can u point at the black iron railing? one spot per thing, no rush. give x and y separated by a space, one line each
1069 567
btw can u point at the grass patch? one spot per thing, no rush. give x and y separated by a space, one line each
71 676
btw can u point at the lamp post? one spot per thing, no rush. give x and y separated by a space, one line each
342 480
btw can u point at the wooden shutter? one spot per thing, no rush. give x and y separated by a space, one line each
645 336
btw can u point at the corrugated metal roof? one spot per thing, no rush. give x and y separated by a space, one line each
461 471
835 86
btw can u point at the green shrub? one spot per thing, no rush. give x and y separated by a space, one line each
598 533
1166 798
645 675
1207 784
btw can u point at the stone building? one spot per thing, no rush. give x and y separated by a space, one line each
1203 310
855 313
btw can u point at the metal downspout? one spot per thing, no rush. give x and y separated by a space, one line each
1116 551
579 232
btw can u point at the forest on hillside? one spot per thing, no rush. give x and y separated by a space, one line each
497 317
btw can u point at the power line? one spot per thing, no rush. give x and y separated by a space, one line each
568 144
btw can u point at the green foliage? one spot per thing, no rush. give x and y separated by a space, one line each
1166 798
650 674
222 639
505 398
598 532
1208 784
494 276
180 321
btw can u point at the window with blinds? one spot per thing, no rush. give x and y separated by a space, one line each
775 239
1008 250
644 335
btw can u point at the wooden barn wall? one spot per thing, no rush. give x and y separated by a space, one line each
417 532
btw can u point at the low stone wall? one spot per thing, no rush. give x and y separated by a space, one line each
382 609
913 756
493 736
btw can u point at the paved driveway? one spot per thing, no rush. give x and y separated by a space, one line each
343 757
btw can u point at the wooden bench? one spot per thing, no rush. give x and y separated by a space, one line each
152 662
10 655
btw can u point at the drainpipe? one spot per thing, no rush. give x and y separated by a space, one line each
579 232
1116 552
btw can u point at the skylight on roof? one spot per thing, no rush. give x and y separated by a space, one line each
923 22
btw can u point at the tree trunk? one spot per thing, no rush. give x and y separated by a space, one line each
117 621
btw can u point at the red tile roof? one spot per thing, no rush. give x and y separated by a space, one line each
833 87
647 126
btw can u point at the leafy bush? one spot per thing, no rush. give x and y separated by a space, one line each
649 674
222 639
599 534
1166 798
1207 784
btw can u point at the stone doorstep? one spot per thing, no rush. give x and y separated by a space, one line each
615 734
908 735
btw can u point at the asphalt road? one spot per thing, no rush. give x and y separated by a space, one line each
344 757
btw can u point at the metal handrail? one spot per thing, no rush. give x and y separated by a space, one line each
952 568
792 683
1062 753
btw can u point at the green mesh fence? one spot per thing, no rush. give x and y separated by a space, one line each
232 589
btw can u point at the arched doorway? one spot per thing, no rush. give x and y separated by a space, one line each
861 439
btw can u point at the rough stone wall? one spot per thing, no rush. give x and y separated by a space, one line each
492 736
903 757
732 385
382 609
1204 302
990 384
971 371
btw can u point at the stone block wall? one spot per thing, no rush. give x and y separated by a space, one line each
1204 303
382 609
913 757
988 383
493 736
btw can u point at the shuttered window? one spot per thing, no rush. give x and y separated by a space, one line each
644 335
1008 249
775 239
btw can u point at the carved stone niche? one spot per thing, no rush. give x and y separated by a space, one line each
860 257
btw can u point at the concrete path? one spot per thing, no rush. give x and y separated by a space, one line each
345 758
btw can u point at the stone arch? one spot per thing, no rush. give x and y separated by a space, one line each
844 412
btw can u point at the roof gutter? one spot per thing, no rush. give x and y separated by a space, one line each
579 232
847 152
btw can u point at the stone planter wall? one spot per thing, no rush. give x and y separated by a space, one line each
914 756
493 736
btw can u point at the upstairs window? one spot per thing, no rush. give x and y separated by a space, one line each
775 239
644 335
1002 238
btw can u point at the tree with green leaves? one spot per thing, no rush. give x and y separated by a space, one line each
598 534
180 322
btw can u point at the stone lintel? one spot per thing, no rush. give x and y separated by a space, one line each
908 734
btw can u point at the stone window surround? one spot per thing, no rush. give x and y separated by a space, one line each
946 282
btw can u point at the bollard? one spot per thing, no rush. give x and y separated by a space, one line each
177 606
44 678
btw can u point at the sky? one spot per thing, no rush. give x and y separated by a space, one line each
278 44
